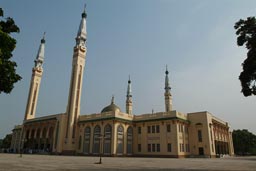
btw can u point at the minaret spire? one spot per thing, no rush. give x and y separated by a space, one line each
35 82
167 94
40 54
129 97
82 34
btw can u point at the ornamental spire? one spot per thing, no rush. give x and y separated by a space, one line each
129 88
129 97
167 84
40 54
81 34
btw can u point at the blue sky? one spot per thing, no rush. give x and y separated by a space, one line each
196 39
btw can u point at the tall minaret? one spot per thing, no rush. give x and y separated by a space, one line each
129 98
167 94
37 73
75 89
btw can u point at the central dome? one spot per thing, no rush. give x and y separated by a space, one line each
111 108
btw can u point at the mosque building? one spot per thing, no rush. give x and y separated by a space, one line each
112 132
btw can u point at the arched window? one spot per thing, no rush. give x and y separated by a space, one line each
107 139
96 140
87 138
120 140
129 140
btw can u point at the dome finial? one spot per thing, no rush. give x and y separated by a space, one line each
113 99
129 81
43 39
166 71
84 13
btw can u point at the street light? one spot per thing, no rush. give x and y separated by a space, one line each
101 138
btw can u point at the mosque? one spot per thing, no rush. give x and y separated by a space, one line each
112 132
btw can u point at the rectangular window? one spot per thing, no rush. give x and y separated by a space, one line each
158 147
169 147
153 129
168 127
157 129
139 147
186 129
182 128
153 147
149 129
139 130
149 147
200 138
180 147
183 147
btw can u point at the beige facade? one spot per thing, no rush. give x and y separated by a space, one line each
112 132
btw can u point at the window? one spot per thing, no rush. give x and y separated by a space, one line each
129 140
158 147
107 139
139 130
168 127
169 147
157 129
186 129
153 147
149 147
120 139
96 140
199 133
87 138
149 129
187 148
153 129
182 145
139 147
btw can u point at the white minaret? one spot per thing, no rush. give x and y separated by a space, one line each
37 73
129 97
167 94
75 89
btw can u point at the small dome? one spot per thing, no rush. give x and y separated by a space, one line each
111 108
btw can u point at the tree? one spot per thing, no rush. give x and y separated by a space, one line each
8 74
6 143
246 31
244 142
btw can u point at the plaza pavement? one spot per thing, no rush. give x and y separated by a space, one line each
12 162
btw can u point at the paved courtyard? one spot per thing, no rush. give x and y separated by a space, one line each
11 162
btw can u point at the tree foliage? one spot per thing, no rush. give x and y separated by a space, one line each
6 142
244 142
8 74
246 35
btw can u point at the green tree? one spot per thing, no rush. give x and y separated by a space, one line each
244 142
6 143
246 35
8 74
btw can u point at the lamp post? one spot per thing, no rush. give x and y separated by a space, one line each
101 138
